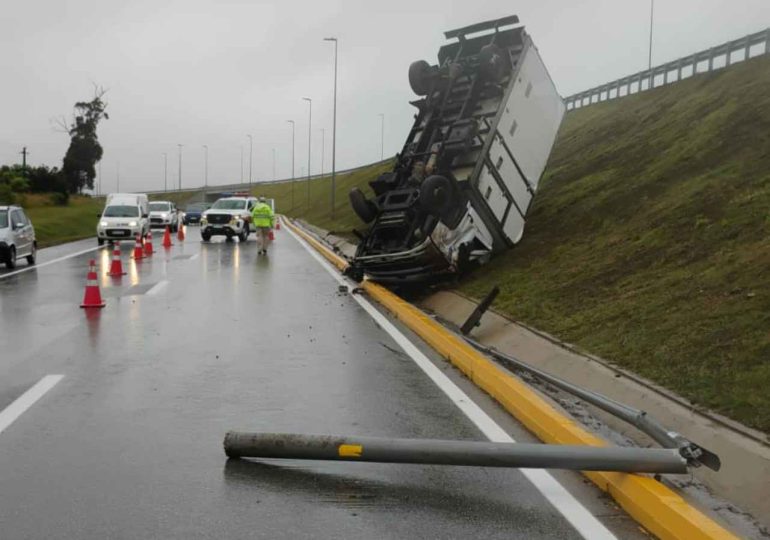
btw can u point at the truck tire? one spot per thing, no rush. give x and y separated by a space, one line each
363 207
244 235
492 62
436 195
205 236
420 75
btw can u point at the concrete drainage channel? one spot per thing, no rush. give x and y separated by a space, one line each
657 507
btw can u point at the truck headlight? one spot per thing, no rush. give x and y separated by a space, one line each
164 216
103 224
132 224
204 220
234 220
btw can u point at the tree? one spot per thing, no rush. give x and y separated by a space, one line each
84 152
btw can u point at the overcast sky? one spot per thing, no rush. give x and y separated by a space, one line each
198 72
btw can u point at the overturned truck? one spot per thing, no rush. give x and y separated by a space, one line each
459 191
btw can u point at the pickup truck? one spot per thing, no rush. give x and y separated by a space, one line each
487 117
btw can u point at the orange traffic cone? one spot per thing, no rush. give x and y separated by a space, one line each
138 252
180 232
278 225
92 297
148 245
167 238
116 268
270 235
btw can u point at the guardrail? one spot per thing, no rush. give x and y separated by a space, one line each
713 58
241 186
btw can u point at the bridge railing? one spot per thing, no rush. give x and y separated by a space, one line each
682 68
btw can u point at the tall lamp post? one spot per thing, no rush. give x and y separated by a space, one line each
165 172
117 175
309 138
206 166
649 62
323 142
382 136
334 124
180 166
241 164
251 152
273 164
292 163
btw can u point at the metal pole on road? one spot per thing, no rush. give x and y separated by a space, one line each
382 136
165 171
460 453
309 139
273 163
241 164
323 143
206 166
649 62
292 163
251 151
180 166
117 175
334 124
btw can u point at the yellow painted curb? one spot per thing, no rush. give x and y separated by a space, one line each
656 507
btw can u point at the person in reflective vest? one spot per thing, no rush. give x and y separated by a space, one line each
263 218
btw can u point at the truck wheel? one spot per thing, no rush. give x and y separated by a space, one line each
420 76
10 262
436 195
492 62
243 236
205 236
363 207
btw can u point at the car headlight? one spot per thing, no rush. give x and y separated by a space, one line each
164 216
103 223
234 220
132 223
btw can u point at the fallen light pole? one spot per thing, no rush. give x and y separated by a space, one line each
463 453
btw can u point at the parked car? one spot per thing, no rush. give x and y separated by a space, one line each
194 211
230 217
125 216
164 214
459 191
17 236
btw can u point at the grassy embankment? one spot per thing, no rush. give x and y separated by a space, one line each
649 240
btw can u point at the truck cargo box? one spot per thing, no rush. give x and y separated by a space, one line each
460 189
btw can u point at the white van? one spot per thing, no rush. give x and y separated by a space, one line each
125 216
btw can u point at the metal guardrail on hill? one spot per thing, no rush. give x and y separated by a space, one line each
714 58
241 186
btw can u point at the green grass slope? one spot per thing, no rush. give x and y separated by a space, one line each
649 240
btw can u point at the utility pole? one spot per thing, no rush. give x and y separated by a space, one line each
334 124
273 164
206 167
251 151
309 138
323 139
100 177
649 63
165 172
241 164
292 163
180 166
118 177
382 136
24 155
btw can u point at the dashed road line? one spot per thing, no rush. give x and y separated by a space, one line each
13 411
158 287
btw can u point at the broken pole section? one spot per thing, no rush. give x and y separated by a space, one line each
461 453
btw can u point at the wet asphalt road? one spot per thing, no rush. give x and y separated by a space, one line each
209 337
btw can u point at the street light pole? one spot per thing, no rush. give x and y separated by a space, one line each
206 167
334 124
323 142
309 138
165 172
180 166
118 177
292 163
649 63
251 152
382 136
241 164
273 164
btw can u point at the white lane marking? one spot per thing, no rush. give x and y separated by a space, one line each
195 256
26 400
155 289
586 524
41 265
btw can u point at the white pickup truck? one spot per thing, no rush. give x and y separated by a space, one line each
486 121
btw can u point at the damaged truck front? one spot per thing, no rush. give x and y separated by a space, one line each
460 189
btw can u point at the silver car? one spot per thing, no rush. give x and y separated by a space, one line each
17 236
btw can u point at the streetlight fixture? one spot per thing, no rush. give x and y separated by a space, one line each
251 152
382 136
206 166
180 166
309 138
292 163
165 172
334 123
